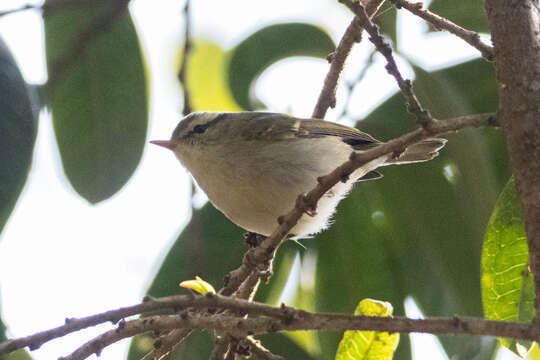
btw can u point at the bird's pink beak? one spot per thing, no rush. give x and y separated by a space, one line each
165 143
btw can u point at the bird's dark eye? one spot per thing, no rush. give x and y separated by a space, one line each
199 129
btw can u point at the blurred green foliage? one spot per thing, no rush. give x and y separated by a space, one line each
99 104
469 14
18 128
267 46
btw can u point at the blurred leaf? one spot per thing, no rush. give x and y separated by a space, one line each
20 354
18 127
369 345
467 13
386 19
533 353
507 283
267 46
100 105
418 230
206 78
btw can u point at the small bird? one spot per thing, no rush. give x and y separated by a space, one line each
253 165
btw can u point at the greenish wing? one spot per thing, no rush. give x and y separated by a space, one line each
272 126
317 128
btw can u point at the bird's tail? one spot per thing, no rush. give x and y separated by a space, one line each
421 151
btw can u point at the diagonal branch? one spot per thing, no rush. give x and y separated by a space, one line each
439 22
423 117
353 34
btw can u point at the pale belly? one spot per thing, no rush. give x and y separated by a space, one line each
256 188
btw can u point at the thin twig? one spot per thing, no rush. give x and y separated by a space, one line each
166 343
352 84
353 34
261 352
327 97
423 117
22 8
82 41
246 291
185 55
441 23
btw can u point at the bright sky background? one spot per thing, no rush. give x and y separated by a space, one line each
62 257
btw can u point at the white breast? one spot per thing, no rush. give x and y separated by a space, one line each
255 184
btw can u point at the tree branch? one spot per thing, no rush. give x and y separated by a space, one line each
353 34
514 29
423 117
150 305
183 66
471 37
288 319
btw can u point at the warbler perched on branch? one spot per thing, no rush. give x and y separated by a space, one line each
253 165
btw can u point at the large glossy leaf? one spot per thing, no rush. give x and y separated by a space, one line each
265 47
210 246
99 104
418 230
507 283
468 13
18 127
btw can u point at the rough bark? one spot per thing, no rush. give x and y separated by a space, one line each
515 26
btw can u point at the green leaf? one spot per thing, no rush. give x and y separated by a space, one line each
99 105
369 345
18 127
267 46
507 283
20 354
418 231
206 78
469 14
